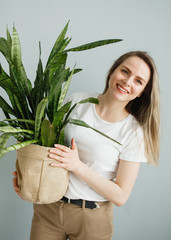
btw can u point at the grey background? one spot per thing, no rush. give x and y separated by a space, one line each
144 25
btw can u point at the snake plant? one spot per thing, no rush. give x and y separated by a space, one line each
37 114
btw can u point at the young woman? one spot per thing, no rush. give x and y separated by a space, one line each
103 172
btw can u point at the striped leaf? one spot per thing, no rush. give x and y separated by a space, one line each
93 45
83 124
87 100
56 91
17 146
16 52
6 107
39 115
4 48
61 137
3 140
65 89
10 129
38 90
3 124
47 133
58 42
9 45
59 115
11 97
21 120
56 65
7 83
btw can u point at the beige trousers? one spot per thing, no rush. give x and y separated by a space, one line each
61 221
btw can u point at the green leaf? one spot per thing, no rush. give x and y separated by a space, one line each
39 115
3 124
7 83
77 70
22 108
58 42
4 48
9 45
17 146
93 45
6 107
65 90
56 91
39 86
16 52
56 65
87 100
21 120
10 129
83 124
58 117
3 140
61 137
12 100
47 133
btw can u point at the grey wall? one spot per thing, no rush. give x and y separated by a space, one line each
143 25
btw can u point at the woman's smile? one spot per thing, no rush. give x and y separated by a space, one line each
121 89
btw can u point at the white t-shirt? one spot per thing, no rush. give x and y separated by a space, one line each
96 151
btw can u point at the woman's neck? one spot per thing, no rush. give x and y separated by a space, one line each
110 110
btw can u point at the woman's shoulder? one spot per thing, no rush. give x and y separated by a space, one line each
134 127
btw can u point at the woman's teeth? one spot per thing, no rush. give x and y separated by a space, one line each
122 89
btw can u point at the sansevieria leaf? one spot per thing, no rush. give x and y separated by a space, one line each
87 100
16 51
10 129
17 146
65 89
83 124
93 45
6 107
48 133
21 120
39 115
59 40
3 140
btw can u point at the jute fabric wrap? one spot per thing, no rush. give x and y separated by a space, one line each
37 180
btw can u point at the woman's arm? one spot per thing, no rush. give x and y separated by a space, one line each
117 192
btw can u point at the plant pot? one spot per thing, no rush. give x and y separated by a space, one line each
39 182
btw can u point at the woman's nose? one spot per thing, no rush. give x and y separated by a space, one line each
127 81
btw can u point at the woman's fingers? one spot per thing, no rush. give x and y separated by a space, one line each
15 185
14 174
62 148
14 180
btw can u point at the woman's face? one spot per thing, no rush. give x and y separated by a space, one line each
129 79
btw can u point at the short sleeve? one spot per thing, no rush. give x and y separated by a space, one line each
133 148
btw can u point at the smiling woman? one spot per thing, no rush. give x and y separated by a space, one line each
144 107
101 171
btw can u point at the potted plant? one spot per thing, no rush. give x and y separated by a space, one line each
37 116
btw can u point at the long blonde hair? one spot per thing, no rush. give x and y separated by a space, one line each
146 107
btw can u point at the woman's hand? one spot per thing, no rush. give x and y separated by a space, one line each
15 185
66 157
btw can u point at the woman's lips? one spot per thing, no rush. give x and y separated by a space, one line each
121 89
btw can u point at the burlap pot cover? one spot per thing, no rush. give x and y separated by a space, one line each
38 181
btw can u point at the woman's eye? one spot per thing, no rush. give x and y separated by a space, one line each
124 71
139 81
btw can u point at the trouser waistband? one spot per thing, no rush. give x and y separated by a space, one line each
80 202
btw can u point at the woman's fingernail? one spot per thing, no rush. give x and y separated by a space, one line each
53 164
51 150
